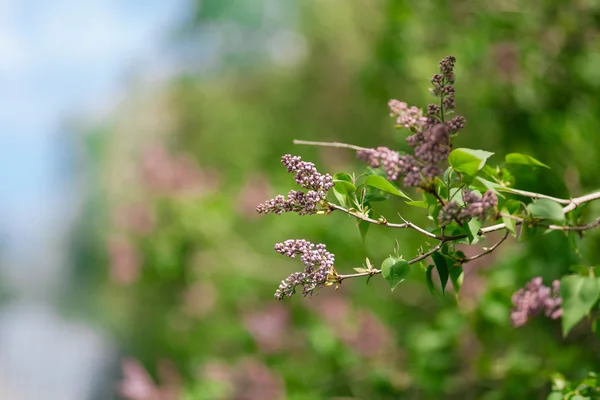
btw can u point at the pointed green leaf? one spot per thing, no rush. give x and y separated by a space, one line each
382 184
419 203
547 209
343 199
494 187
394 271
342 176
510 223
524 159
579 294
343 183
468 161
363 228
456 277
429 278
442 268
343 187
472 228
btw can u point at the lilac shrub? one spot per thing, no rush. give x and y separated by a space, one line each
464 197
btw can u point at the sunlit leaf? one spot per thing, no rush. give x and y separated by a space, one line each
382 184
468 161
524 159
418 203
343 187
394 271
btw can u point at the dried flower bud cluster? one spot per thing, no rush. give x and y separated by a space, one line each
474 207
431 139
535 298
318 263
303 203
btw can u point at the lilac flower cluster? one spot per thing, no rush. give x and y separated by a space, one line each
318 263
408 117
303 203
431 139
391 162
474 207
534 298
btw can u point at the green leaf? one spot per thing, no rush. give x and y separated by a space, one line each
369 197
574 239
394 271
343 199
429 278
343 183
579 294
547 209
456 277
509 222
524 159
468 161
555 396
342 176
579 397
343 187
513 206
419 203
363 228
494 187
382 184
472 228
442 268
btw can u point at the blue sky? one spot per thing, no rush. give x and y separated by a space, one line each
61 59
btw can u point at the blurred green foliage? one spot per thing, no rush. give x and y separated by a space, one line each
527 81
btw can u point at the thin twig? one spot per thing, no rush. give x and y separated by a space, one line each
493 228
488 251
577 201
533 195
419 229
372 272
579 228
340 278
330 144
425 255
363 217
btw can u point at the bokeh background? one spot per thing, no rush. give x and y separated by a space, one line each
137 138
